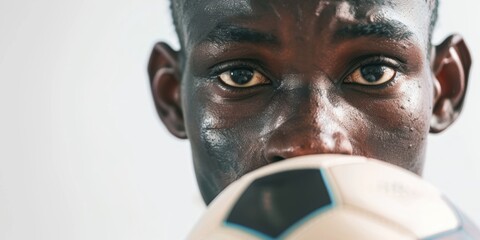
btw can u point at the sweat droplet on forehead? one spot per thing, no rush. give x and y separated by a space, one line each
350 9
228 7
266 13
343 11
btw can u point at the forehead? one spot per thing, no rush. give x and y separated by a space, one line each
198 17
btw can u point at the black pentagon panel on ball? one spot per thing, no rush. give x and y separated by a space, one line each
272 205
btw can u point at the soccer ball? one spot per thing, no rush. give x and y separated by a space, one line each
331 197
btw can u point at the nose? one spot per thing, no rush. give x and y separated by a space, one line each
312 129
305 142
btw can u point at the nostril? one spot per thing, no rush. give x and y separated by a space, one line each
282 146
277 159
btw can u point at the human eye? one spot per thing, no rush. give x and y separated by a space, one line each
372 74
243 77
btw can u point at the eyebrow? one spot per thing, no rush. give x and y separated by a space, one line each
394 30
224 33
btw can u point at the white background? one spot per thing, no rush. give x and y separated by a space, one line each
82 152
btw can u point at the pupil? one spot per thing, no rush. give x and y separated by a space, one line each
372 73
241 76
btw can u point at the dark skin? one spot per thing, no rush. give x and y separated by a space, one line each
275 79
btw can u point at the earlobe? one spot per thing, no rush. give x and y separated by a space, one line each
451 66
165 83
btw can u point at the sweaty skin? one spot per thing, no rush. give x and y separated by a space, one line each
305 66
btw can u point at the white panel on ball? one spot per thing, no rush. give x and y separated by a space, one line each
366 199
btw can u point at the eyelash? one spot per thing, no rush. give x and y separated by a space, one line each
216 70
393 63
398 65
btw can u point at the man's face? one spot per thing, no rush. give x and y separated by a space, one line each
268 80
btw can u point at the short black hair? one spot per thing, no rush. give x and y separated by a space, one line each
433 17
433 4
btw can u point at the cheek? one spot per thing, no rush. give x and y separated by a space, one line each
397 128
225 137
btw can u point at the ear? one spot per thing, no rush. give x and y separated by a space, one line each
165 83
451 63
